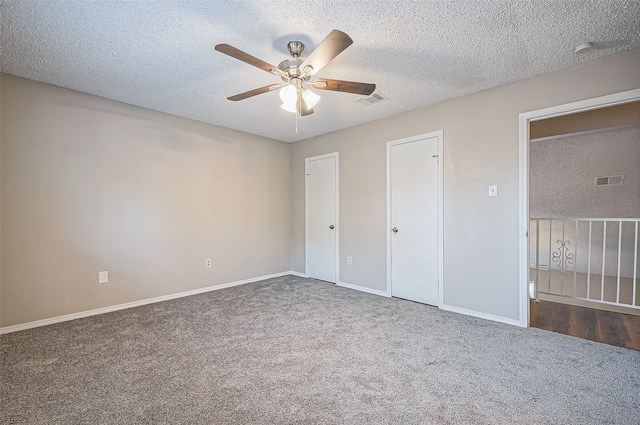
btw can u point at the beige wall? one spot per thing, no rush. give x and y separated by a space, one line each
481 148
90 184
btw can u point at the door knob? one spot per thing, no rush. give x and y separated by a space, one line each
394 230
332 227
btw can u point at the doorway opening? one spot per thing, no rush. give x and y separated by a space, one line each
579 259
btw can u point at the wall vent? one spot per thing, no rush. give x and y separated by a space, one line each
372 99
608 180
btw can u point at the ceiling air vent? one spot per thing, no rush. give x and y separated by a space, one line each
608 180
372 99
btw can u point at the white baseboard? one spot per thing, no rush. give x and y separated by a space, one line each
94 312
364 289
483 315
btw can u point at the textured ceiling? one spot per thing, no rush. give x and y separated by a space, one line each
160 55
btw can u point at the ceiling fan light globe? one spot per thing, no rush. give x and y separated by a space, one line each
289 93
310 98
289 106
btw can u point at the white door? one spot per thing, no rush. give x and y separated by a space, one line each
322 226
413 197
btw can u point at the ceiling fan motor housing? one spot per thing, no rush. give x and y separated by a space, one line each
291 67
295 48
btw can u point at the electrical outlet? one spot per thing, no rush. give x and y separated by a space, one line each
350 261
103 277
207 263
493 191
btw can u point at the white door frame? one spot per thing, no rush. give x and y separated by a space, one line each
306 211
440 136
525 119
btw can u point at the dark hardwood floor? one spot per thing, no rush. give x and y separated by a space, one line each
611 328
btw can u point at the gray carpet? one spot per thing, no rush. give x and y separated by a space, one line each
298 351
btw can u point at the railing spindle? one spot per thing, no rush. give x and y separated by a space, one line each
589 264
604 257
561 263
535 285
549 266
619 258
575 262
635 266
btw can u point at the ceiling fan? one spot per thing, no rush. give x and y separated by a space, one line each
297 73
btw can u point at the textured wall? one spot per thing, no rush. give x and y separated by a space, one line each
562 173
480 149
90 184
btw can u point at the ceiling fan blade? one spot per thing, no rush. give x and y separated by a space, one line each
255 92
247 58
344 86
330 47
611 44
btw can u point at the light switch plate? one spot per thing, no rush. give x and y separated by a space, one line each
493 191
103 277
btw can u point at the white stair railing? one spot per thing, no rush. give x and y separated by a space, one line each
590 259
